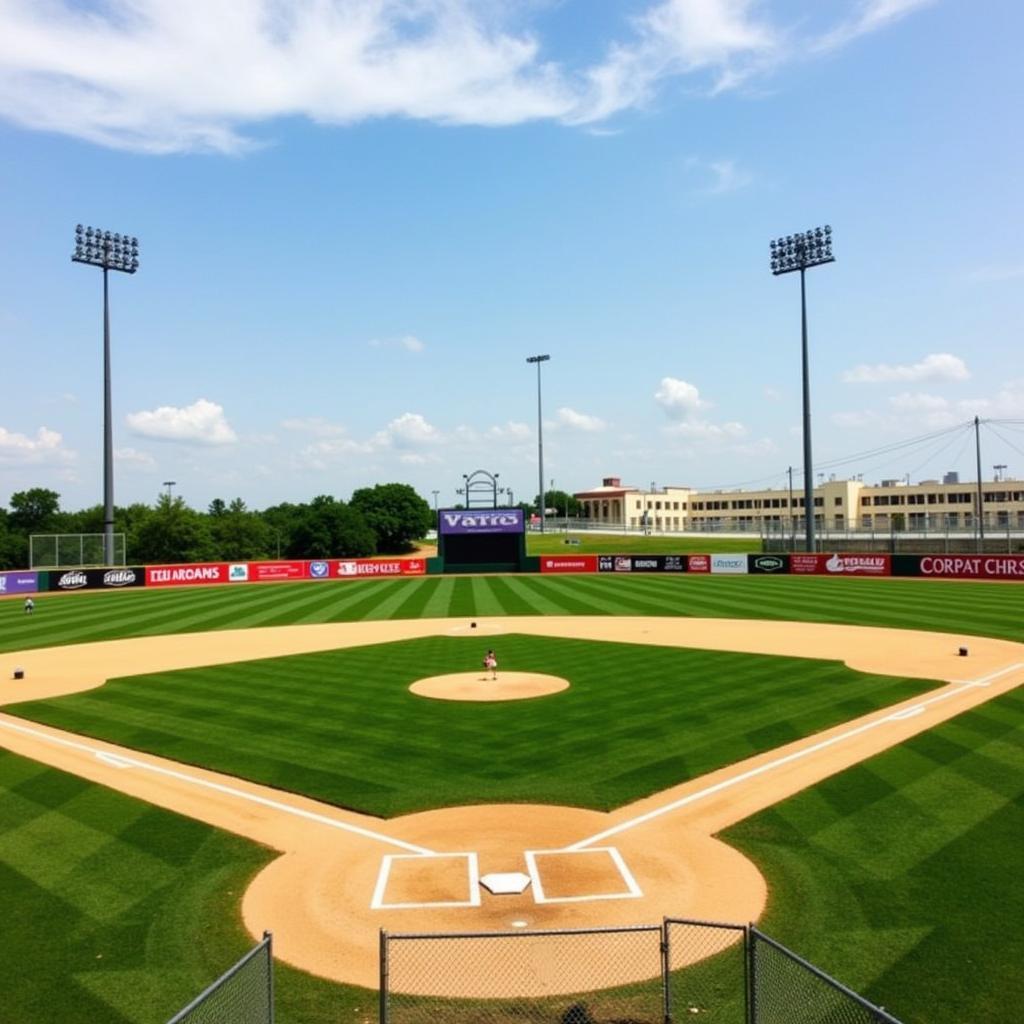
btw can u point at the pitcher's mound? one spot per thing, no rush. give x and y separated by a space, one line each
478 686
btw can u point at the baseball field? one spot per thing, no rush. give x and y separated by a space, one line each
810 752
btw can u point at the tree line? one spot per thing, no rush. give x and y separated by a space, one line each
383 519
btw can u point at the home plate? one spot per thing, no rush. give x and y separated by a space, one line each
505 883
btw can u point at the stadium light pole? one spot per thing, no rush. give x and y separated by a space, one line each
540 441
802 251
108 252
169 484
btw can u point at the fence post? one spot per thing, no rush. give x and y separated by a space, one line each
750 965
268 938
666 987
382 1013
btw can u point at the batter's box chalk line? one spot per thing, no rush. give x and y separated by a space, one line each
630 890
472 869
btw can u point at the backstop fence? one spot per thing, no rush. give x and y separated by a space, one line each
71 550
643 974
244 994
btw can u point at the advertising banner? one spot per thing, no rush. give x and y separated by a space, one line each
768 563
840 565
568 563
641 563
350 568
962 567
734 564
266 572
18 583
699 563
186 575
498 520
97 579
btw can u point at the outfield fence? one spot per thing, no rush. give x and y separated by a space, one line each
71 550
244 994
677 971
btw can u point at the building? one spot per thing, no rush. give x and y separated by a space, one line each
838 504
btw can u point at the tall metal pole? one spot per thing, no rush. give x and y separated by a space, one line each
799 252
540 444
107 251
808 464
108 433
981 506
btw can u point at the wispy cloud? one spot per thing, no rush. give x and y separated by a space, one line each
868 16
203 422
937 366
408 342
46 448
134 458
718 177
574 420
683 404
163 76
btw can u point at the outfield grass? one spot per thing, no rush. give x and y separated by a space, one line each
987 609
901 875
342 726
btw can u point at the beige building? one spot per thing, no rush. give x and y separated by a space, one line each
838 504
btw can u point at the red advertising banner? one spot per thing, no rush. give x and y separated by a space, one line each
568 563
186 575
973 567
263 572
700 563
840 565
350 568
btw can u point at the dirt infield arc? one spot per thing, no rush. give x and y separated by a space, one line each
342 876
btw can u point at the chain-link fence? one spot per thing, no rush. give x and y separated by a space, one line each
786 989
242 995
646 974
71 550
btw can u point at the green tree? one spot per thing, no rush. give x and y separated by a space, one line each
238 534
395 513
559 501
34 510
173 533
329 528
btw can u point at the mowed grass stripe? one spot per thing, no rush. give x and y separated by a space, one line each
902 868
121 913
635 720
983 608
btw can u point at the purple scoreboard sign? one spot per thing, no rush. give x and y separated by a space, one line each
479 521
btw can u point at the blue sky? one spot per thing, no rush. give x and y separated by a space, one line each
357 219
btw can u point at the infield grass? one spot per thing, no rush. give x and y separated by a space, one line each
343 727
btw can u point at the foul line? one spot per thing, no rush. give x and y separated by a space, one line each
120 761
895 716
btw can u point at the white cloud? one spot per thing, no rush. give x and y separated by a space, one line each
202 422
579 421
683 404
164 76
869 16
512 431
410 430
718 177
678 398
134 458
46 448
938 366
408 342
